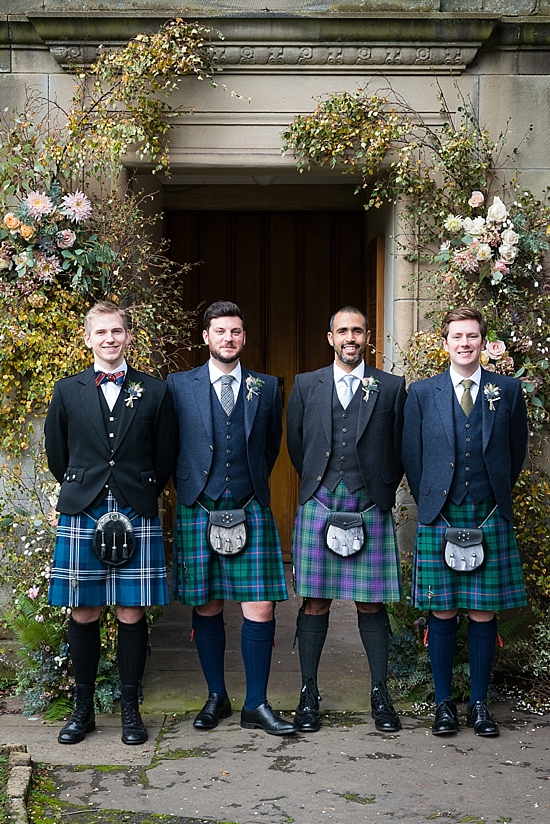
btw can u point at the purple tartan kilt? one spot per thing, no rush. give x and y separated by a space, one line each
497 584
201 575
80 579
372 575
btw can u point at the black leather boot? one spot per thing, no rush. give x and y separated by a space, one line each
82 721
133 728
307 717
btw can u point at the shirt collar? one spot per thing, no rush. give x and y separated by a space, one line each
358 372
122 368
216 374
457 379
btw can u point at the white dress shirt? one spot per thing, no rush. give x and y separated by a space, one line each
339 374
110 390
459 389
216 376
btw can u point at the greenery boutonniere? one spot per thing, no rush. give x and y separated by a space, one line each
492 393
370 384
253 386
135 391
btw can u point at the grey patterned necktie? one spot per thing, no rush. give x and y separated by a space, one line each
227 397
347 396
466 400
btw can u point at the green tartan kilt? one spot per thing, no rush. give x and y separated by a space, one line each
201 575
497 584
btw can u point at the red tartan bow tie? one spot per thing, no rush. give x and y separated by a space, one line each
114 377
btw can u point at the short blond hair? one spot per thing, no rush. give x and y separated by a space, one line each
105 307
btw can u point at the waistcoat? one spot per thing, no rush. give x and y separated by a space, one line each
470 476
111 420
343 464
230 464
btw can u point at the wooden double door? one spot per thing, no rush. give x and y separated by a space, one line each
288 271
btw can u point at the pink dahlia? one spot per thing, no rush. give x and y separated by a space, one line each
38 204
77 207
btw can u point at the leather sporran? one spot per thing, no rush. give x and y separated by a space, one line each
114 541
226 531
345 533
464 548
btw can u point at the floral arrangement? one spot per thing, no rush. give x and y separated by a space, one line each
47 236
369 385
253 386
485 245
135 391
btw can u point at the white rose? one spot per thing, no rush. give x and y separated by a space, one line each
5 263
453 223
474 227
483 252
497 212
507 253
509 237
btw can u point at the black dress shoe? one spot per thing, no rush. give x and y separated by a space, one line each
307 717
479 717
215 708
82 721
382 710
446 719
134 730
265 719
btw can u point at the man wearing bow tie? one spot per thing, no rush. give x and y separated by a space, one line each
344 427
464 443
230 434
111 440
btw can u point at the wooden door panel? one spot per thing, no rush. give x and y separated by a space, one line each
288 271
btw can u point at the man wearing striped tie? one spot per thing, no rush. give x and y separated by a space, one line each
111 440
226 542
464 443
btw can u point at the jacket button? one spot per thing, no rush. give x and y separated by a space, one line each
452 465
444 491
211 448
327 454
204 472
111 463
318 477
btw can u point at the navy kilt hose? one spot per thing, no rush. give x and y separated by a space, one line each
201 575
80 579
497 584
372 575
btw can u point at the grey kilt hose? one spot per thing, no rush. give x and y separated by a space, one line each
372 575
80 579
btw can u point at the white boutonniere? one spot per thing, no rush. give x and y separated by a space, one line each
492 394
253 386
370 384
135 391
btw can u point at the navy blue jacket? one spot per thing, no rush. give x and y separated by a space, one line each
429 440
263 429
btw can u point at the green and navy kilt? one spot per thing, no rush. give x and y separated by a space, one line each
497 584
80 579
201 575
372 575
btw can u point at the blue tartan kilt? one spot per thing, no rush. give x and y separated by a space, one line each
80 579
372 575
497 584
201 575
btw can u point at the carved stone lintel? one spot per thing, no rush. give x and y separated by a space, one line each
327 56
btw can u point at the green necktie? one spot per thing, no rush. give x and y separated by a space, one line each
466 400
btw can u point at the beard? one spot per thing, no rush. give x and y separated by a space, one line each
350 359
234 356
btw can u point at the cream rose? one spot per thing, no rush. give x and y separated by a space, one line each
474 227
497 212
509 237
496 349
507 253
483 252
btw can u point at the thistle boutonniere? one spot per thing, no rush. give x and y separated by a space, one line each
135 391
370 384
492 393
253 386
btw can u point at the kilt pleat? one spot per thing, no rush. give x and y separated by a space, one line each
201 575
497 584
80 579
372 575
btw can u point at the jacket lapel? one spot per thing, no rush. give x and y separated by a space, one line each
487 416
251 406
128 412
444 399
201 389
323 402
90 399
366 408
